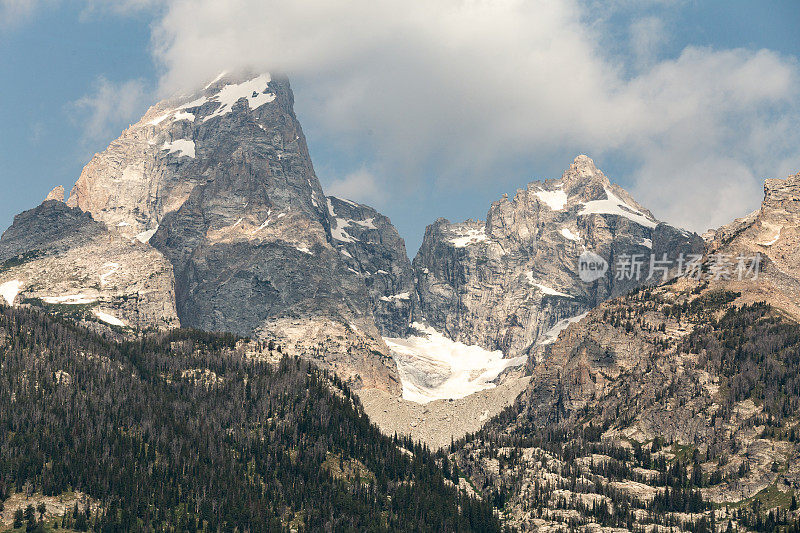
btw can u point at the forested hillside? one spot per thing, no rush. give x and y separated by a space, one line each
676 406
183 432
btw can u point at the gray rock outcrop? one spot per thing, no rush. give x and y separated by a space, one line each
61 258
371 246
57 194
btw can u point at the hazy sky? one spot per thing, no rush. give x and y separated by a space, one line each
431 108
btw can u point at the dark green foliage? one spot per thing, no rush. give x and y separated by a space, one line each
758 355
21 259
162 451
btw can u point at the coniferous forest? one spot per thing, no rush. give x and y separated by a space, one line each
182 432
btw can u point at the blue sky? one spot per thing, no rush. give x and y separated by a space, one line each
431 112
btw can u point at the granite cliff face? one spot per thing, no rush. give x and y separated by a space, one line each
504 283
771 233
371 246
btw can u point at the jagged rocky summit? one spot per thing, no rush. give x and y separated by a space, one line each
512 282
706 364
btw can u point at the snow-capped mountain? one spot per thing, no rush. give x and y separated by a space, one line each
207 213
506 282
212 198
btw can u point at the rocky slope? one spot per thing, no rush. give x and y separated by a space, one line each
503 283
58 257
771 233
667 390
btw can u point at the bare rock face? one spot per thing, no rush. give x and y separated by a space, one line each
56 194
772 232
371 246
504 283
60 258
221 184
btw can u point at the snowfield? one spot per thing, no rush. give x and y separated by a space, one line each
10 289
473 236
614 205
433 367
555 200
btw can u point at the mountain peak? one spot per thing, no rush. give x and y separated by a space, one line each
583 171
782 194
584 160
56 194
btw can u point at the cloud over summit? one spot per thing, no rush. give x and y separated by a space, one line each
466 91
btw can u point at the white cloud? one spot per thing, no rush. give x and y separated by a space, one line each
110 107
361 186
467 89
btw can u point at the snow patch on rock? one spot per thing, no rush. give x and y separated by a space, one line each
252 90
567 234
10 289
183 115
69 299
194 103
544 288
395 297
472 236
550 336
367 223
183 147
613 205
108 318
339 225
146 235
433 367
158 120
345 200
555 200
